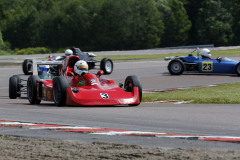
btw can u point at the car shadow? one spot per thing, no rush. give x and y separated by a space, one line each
50 104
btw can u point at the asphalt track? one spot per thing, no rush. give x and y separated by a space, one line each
191 119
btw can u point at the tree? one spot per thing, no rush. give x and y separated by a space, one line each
176 22
128 24
214 23
18 16
1 40
192 7
235 10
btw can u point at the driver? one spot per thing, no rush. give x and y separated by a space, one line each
68 52
205 53
81 68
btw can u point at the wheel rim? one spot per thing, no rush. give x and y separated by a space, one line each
108 66
176 67
56 93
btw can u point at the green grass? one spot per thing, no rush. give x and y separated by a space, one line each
3 52
222 94
232 52
235 52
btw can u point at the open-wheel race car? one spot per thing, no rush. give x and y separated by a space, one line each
106 64
202 63
69 89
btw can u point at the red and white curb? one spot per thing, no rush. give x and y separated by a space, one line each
114 132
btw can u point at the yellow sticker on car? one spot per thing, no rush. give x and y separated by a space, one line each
207 66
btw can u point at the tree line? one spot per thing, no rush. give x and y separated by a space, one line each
118 24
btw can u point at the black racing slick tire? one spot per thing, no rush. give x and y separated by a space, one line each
32 89
60 85
238 69
130 82
106 65
13 87
176 67
27 67
18 85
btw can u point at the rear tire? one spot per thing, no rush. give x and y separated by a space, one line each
18 85
13 87
238 69
176 67
130 82
27 67
60 85
32 89
106 65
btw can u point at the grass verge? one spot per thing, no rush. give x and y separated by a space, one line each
221 94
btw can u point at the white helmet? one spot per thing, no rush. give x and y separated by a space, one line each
206 53
68 52
81 67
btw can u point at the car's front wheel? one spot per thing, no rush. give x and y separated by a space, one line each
60 85
176 67
130 82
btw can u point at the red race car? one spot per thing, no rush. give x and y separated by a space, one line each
88 89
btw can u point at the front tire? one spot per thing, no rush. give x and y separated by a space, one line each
106 65
32 89
130 82
60 85
27 67
176 67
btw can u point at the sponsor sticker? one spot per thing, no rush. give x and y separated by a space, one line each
44 93
93 81
48 94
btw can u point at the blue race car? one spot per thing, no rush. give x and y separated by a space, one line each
202 64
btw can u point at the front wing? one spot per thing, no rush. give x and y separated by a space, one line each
100 97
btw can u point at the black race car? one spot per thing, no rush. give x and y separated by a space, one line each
106 64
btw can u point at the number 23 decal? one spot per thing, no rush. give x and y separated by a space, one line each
207 66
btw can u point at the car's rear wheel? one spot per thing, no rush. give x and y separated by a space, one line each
27 67
60 85
238 69
106 65
130 82
13 87
176 67
18 85
32 89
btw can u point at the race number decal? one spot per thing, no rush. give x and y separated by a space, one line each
104 95
207 66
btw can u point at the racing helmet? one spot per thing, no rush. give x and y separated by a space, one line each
81 67
206 53
68 52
